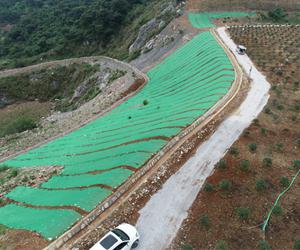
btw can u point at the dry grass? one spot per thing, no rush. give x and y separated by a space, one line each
29 110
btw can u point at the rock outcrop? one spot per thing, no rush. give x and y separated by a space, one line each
154 26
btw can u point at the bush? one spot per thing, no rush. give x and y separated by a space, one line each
279 146
208 187
298 142
13 173
296 164
243 213
186 247
222 164
204 221
277 210
261 185
267 162
225 185
145 102
252 147
234 151
135 54
263 131
2 203
19 125
244 164
284 181
3 168
2 230
264 245
268 111
222 245
297 244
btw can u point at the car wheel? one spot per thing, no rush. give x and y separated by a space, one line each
135 244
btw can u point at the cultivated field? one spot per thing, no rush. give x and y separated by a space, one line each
233 5
100 156
236 199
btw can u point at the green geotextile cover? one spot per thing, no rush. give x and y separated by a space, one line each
85 199
205 19
111 178
48 223
181 89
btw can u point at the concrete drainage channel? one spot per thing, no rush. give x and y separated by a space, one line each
162 216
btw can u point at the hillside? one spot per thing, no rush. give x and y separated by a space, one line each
34 31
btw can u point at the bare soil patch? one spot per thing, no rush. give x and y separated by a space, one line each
22 240
234 213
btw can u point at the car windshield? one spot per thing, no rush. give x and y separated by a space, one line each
123 236
108 241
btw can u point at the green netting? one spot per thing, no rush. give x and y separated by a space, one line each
181 88
205 19
111 178
86 199
49 223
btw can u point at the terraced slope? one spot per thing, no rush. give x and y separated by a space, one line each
205 19
101 155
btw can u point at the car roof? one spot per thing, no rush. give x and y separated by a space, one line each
110 241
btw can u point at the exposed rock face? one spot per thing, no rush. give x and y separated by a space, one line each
143 35
154 25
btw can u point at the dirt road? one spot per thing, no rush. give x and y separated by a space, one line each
162 216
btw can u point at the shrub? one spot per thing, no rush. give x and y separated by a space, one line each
263 131
267 162
243 213
277 210
145 102
25 179
284 181
297 244
208 187
256 121
3 168
13 173
234 151
225 185
264 245
268 111
186 247
261 185
298 142
296 164
244 164
252 147
135 54
279 146
2 202
2 230
204 221
222 245
246 133
19 125
222 164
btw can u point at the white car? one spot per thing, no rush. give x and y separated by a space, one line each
123 237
